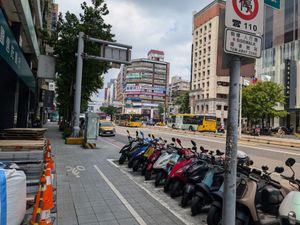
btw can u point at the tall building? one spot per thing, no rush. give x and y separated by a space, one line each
146 84
177 87
120 85
280 61
20 49
210 72
110 92
51 21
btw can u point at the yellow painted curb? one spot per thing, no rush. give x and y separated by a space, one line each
74 141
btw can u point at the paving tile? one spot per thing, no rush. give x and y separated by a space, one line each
128 221
109 222
87 219
105 216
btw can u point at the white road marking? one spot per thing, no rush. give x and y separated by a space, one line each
76 170
240 145
111 144
156 198
147 191
137 217
111 161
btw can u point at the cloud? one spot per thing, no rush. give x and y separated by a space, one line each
151 24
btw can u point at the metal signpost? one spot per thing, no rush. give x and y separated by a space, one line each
244 22
110 52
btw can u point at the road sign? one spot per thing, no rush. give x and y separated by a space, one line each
245 15
273 3
242 43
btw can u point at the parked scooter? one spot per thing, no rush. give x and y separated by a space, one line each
289 210
161 153
142 156
258 198
128 147
165 163
177 176
143 147
213 182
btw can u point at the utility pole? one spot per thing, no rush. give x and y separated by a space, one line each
77 97
110 52
240 108
231 145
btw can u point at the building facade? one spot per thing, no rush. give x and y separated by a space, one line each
209 69
280 61
146 84
177 87
20 49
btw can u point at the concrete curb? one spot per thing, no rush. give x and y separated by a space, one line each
294 144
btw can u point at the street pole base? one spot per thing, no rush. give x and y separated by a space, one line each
76 131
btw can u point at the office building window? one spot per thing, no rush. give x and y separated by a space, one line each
207 108
207 84
209 37
198 108
198 97
207 95
203 85
194 86
205 28
196 33
219 107
202 108
208 72
198 86
289 20
225 107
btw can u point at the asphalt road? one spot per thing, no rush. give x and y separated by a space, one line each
261 154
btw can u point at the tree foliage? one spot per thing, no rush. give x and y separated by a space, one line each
183 102
161 109
259 101
64 41
109 110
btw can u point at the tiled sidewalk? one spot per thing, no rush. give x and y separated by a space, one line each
83 196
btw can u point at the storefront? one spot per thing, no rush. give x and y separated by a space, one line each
17 83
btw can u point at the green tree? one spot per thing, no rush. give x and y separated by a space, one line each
109 110
260 101
161 109
64 42
183 102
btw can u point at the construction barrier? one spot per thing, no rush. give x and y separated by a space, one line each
44 200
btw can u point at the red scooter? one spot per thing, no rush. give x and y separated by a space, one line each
176 178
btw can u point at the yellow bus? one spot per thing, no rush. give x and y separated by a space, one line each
129 120
193 122
207 124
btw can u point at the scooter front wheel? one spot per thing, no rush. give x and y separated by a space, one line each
158 178
175 189
184 200
130 162
197 205
135 165
122 159
214 216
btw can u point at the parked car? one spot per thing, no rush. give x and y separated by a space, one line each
285 129
106 128
160 124
150 123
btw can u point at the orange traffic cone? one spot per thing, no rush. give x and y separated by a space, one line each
38 202
48 195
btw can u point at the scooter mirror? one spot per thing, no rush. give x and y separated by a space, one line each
279 169
265 168
153 136
202 149
165 141
137 133
250 163
142 134
193 143
149 135
290 162
178 141
194 148
127 131
173 139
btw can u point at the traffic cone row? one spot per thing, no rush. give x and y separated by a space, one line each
44 200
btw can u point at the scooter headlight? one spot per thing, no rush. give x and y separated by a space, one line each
292 218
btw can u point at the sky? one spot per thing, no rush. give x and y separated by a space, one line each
150 24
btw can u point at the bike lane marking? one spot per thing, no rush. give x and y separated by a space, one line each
137 217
